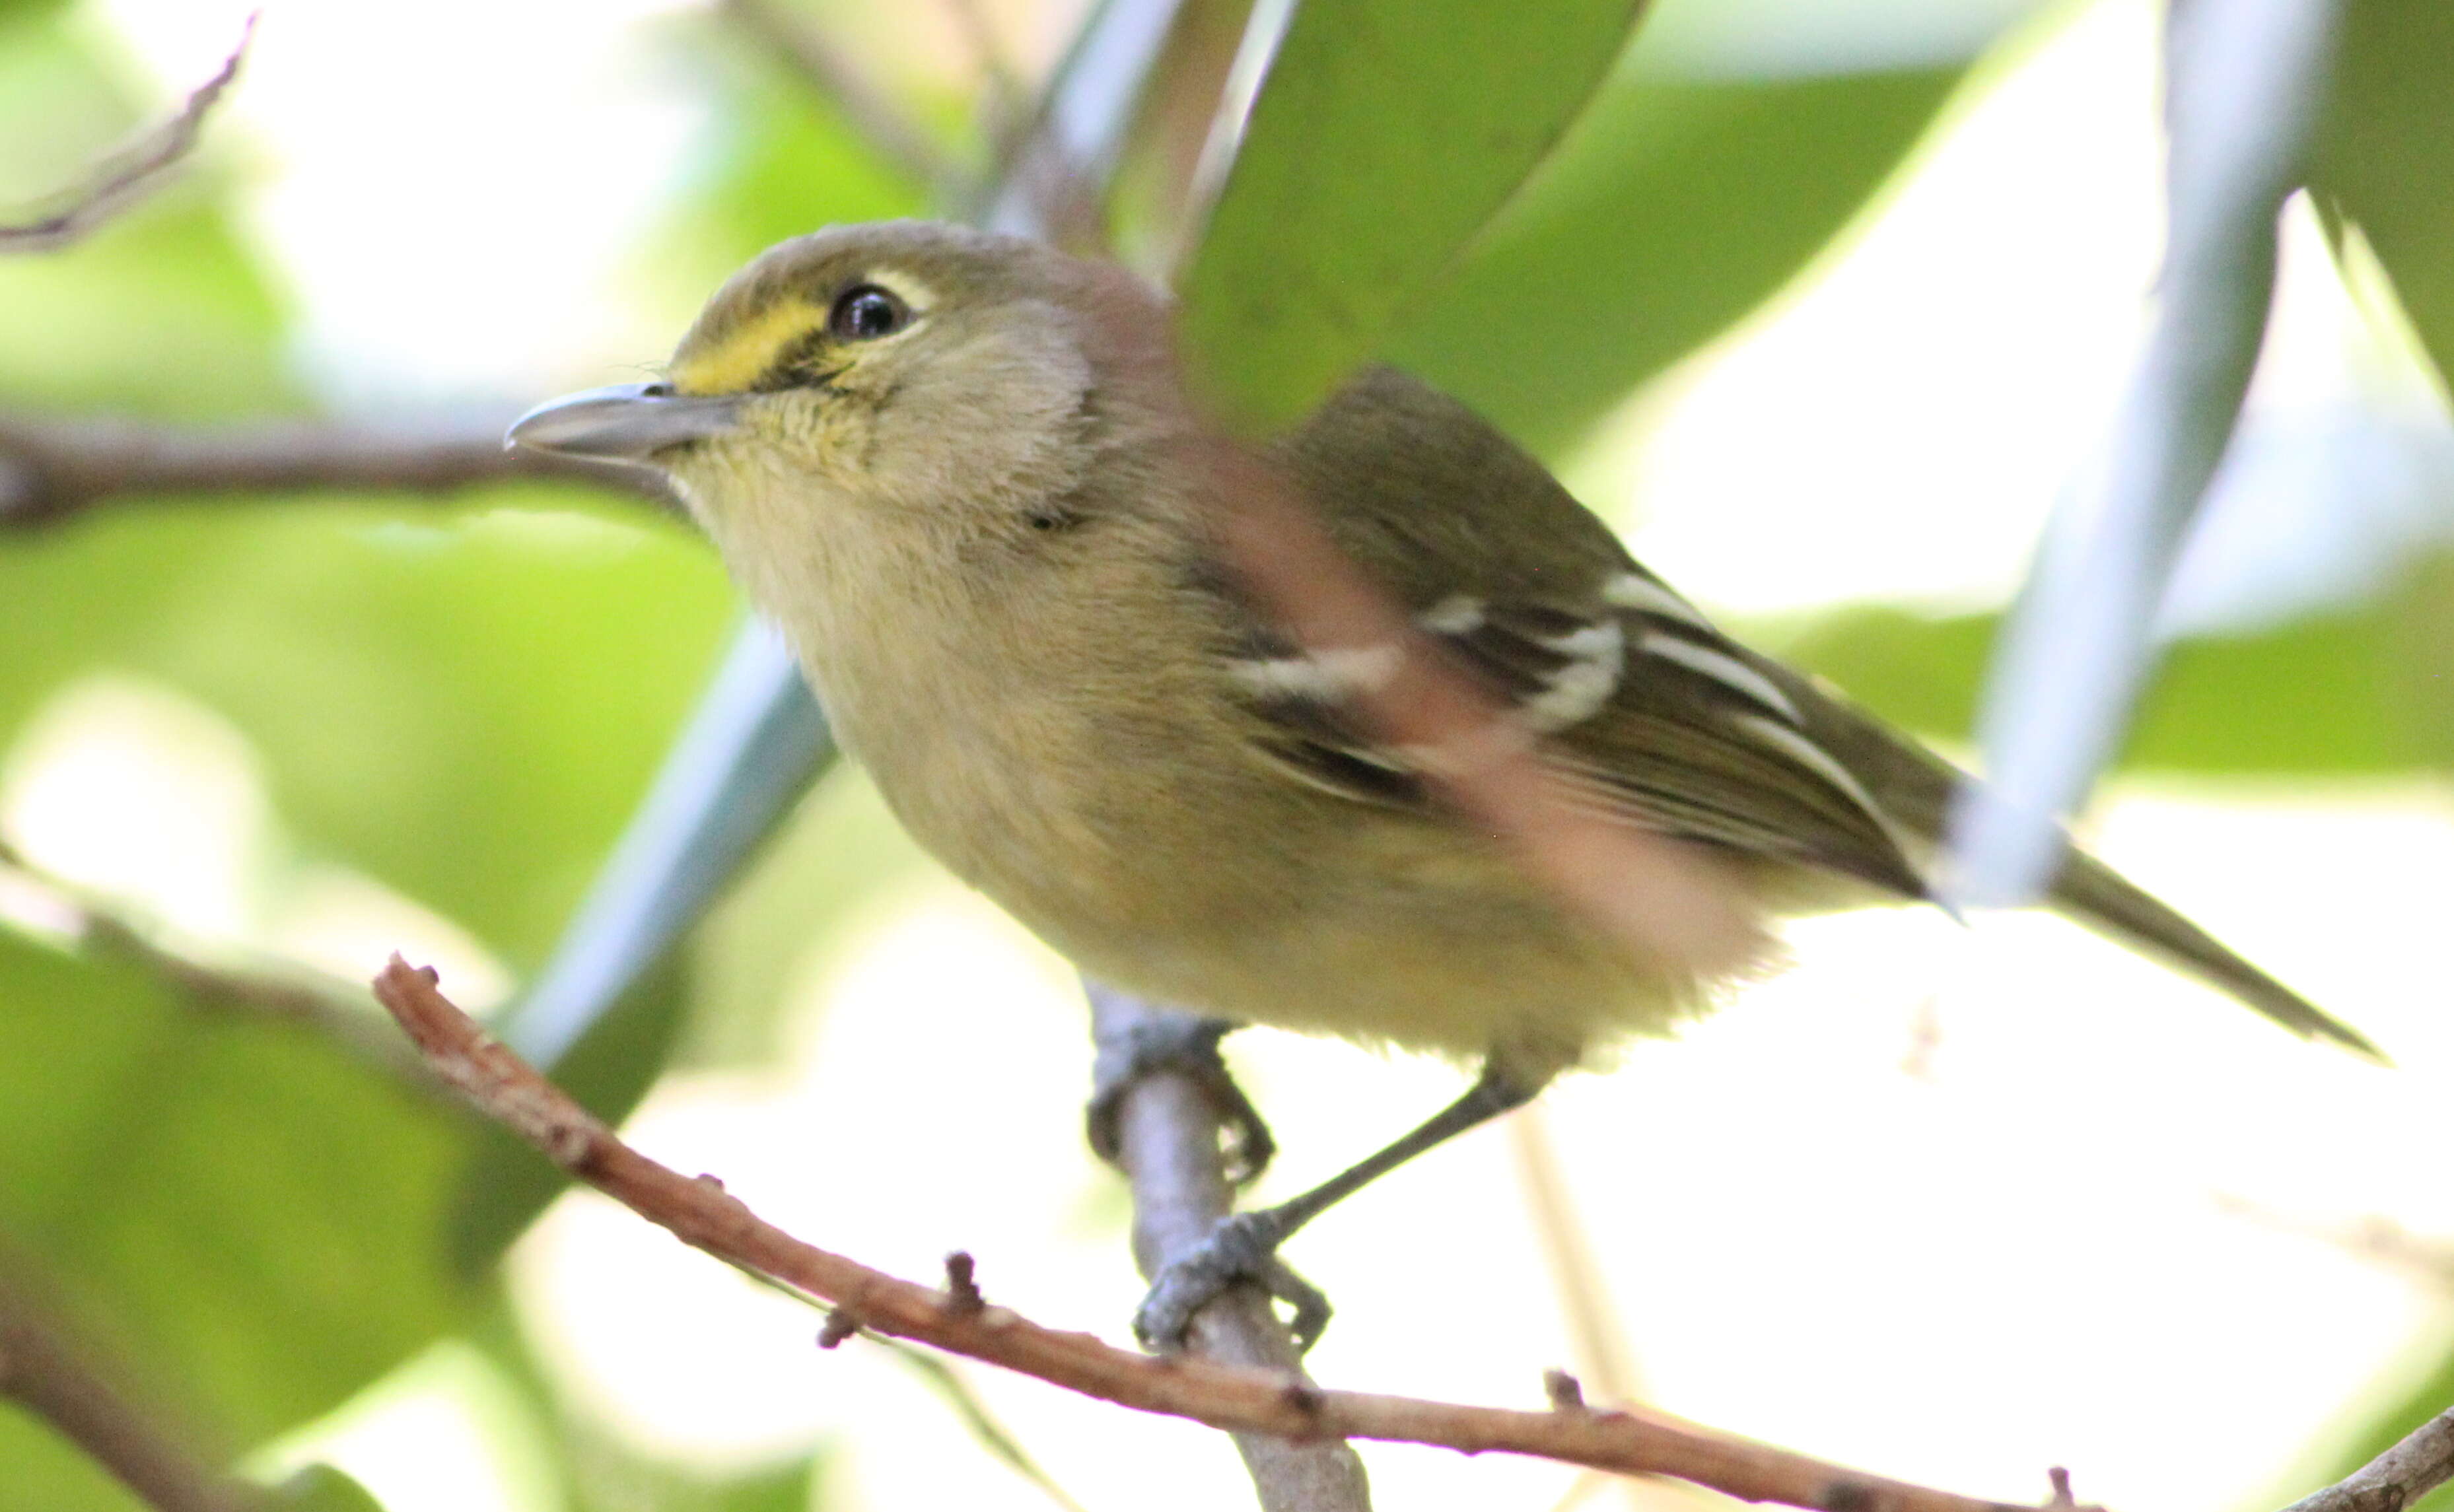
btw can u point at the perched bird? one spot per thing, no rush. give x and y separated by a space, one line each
961 472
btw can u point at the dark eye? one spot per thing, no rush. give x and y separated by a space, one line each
865 314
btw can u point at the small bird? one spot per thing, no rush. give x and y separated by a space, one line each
962 473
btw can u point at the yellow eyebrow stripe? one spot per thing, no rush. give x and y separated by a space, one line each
745 355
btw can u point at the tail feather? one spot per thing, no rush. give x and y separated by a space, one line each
1916 786
2102 898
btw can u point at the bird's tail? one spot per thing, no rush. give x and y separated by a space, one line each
2103 899
1916 787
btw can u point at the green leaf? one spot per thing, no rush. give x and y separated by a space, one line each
1673 208
42 1472
11 10
463 704
2385 154
236 1207
2421 621
60 110
784 1488
2321 695
1385 136
160 312
322 1488
786 164
806 893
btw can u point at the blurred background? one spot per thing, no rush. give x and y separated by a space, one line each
1822 303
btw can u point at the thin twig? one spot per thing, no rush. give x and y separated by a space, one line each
1238 1399
1584 1301
989 49
1584 1298
43 1371
1167 1143
51 469
885 125
134 171
2374 1237
2393 1481
1005 97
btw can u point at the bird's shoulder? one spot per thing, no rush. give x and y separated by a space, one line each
1438 501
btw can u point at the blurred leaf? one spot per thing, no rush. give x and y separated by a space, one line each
2422 627
158 313
465 705
2311 697
602 1014
1920 671
2386 153
751 751
1386 134
42 1472
842 851
1674 208
322 1488
235 1207
60 108
785 164
2318 696
784 1488
11 10
509 1183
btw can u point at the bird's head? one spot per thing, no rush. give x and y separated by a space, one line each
905 366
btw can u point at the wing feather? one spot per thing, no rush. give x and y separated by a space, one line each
1653 716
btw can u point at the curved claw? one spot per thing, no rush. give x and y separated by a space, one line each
1189 1046
1241 1249
1309 1303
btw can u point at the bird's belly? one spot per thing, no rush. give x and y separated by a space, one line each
1163 860
1450 954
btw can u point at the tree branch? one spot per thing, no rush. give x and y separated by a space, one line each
1236 1398
1167 1141
134 171
51 469
42 1373
2420 1463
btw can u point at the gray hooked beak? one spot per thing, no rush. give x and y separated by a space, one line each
627 422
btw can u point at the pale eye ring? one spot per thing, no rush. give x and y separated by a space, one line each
865 312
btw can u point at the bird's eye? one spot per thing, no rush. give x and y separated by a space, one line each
865 314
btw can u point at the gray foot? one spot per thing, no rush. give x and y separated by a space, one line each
1241 1249
1182 1043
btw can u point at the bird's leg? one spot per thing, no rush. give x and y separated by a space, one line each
1244 1247
1180 1043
